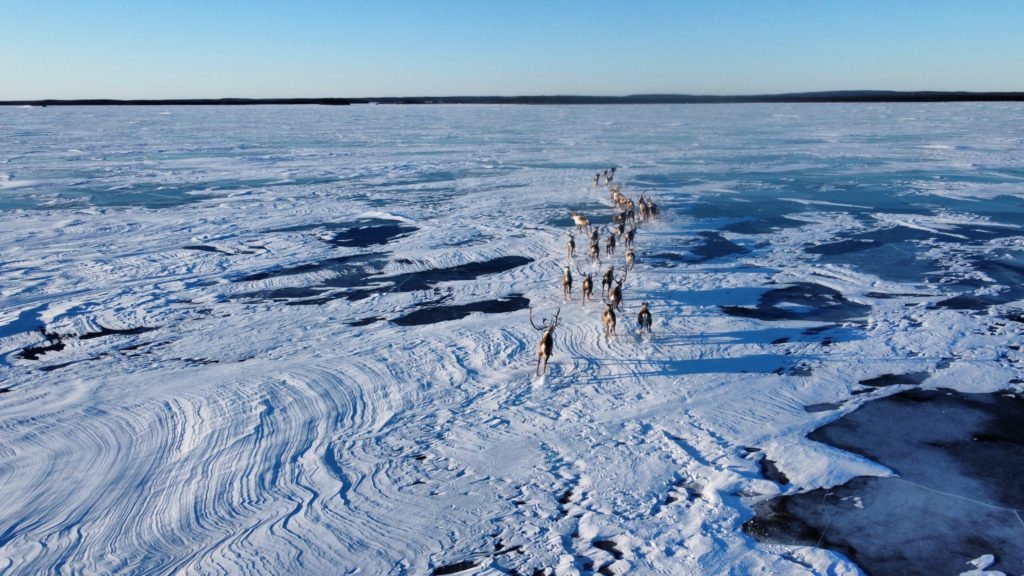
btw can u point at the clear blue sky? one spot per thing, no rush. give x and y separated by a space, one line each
308 48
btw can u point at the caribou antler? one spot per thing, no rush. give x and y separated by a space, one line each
544 325
544 321
556 321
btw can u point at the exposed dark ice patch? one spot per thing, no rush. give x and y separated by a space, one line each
355 266
843 247
355 278
454 568
664 259
1015 317
427 279
799 369
610 547
765 225
27 321
115 332
714 245
288 293
435 314
959 458
897 253
711 246
822 407
366 321
363 236
802 301
54 344
770 470
204 248
891 295
360 233
5 390
1006 274
912 378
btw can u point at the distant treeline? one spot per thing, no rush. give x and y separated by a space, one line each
836 96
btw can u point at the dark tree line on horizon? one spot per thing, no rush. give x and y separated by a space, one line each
800 97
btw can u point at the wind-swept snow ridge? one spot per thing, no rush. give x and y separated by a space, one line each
239 389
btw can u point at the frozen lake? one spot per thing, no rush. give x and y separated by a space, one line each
276 339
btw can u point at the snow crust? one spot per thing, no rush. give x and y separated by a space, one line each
251 431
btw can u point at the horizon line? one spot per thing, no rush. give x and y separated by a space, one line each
652 98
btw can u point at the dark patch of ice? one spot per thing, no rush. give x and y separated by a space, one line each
799 369
365 321
435 314
358 274
114 331
427 279
716 246
912 378
802 301
713 245
610 547
765 225
367 234
27 321
204 248
354 266
959 458
453 568
891 295
843 247
770 470
54 344
1006 274
360 233
1015 317
822 407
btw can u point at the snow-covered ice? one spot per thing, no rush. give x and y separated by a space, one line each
294 339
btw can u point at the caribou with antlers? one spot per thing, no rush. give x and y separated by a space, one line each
606 280
609 244
547 340
570 246
630 258
567 283
615 296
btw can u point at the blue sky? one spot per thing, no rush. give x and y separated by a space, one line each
309 48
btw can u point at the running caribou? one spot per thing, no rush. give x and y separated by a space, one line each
547 340
644 318
587 285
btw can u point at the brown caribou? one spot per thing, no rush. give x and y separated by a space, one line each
547 340
608 318
587 285
644 318
615 295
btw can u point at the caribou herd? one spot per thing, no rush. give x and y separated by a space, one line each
625 221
